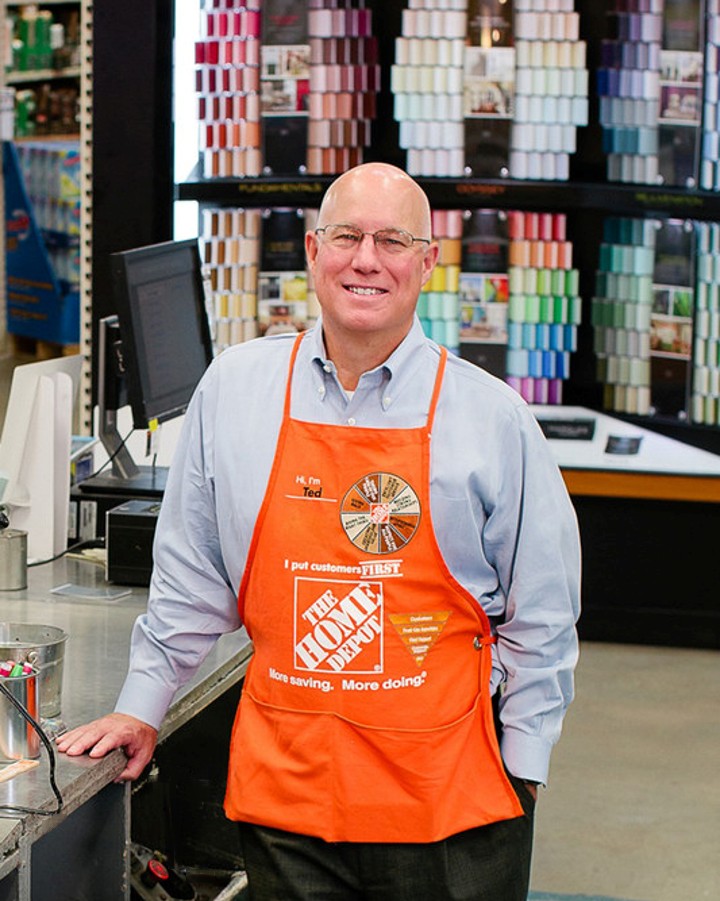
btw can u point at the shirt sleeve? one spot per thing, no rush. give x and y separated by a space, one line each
532 538
191 601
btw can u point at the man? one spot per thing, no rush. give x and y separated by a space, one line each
390 527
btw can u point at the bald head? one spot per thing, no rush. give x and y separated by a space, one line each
378 183
368 291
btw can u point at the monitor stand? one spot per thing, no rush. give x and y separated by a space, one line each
147 481
125 479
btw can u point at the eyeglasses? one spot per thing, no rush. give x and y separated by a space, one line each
388 240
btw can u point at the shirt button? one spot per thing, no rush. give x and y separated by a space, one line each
351 421
327 367
387 400
321 391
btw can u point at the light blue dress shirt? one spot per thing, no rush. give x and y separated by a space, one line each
502 516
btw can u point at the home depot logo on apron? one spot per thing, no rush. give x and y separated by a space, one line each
366 713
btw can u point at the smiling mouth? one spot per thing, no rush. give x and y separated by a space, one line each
365 292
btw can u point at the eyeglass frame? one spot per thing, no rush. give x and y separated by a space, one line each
322 229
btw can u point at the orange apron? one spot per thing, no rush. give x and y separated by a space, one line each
366 711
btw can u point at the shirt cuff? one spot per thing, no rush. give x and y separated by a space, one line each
144 698
526 756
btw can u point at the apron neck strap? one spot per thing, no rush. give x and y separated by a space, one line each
433 399
436 389
291 366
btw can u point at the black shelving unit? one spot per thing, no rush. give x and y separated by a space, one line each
639 584
134 191
132 138
584 203
633 592
602 198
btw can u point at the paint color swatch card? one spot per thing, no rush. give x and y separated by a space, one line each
439 299
284 86
427 86
710 163
227 84
344 81
628 82
230 242
544 305
681 79
671 322
488 87
282 281
621 311
550 90
705 403
484 290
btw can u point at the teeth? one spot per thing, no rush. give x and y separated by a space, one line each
365 291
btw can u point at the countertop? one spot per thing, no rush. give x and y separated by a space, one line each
95 663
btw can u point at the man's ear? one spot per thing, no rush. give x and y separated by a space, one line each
430 261
311 247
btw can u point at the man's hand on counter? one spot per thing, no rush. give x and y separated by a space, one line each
116 730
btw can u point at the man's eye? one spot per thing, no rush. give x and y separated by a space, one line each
348 236
390 241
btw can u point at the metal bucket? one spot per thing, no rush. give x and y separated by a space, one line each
13 560
44 648
18 737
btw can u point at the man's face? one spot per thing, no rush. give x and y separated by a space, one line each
364 289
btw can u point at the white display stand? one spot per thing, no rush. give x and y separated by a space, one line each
662 467
656 453
35 452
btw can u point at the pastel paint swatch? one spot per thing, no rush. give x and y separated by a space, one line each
438 303
344 81
230 248
551 89
427 86
544 306
227 84
628 84
705 387
621 313
710 162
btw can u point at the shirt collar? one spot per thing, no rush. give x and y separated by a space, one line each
399 359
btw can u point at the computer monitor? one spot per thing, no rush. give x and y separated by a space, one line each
152 353
160 302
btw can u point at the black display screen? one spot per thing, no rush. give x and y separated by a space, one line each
166 342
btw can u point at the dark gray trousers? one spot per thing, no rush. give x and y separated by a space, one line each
490 863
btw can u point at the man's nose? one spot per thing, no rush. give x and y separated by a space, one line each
366 253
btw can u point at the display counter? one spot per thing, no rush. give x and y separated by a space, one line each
624 460
82 852
649 516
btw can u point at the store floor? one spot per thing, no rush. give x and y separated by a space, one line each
632 809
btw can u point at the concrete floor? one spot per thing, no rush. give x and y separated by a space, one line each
632 810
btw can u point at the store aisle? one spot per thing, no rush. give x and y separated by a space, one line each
632 811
